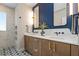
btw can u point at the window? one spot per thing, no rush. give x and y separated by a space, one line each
2 21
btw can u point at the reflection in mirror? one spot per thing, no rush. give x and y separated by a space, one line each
60 14
36 17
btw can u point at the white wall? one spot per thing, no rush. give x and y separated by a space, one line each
25 12
7 37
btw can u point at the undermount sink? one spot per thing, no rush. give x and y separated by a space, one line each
50 36
34 33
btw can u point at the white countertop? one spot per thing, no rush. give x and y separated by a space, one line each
70 39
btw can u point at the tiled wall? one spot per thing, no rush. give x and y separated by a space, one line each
7 37
25 12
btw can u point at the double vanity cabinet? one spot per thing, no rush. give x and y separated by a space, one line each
45 47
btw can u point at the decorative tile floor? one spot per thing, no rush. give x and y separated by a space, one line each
12 52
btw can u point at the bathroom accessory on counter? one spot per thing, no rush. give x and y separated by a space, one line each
42 33
43 26
27 28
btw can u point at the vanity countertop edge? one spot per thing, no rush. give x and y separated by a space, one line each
68 41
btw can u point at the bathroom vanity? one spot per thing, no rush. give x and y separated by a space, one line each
38 45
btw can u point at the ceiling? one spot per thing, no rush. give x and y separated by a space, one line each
13 5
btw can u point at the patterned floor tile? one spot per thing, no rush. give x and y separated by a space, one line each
13 52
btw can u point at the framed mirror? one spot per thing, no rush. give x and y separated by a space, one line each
53 14
60 17
43 13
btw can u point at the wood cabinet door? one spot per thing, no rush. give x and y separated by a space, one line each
74 50
60 49
26 43
36 47
45 47
30 44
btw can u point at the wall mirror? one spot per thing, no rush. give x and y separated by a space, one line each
53 14
43 13
60 17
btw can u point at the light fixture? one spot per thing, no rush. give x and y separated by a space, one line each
71 8
33 17
78 7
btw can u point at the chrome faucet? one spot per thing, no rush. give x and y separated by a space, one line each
57 33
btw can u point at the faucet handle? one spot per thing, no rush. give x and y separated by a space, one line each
56 33
62 32
59 32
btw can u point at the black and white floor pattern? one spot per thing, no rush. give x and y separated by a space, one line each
13 52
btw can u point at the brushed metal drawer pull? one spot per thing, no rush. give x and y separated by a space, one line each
35 50
54 47
35 39
49 46
53 50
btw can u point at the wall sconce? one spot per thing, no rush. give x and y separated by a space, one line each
33 17
78 7
71 8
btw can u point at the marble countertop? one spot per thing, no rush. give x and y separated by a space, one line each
69 39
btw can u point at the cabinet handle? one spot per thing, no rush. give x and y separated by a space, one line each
53 50
35 50
54 47
49 46
35 39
